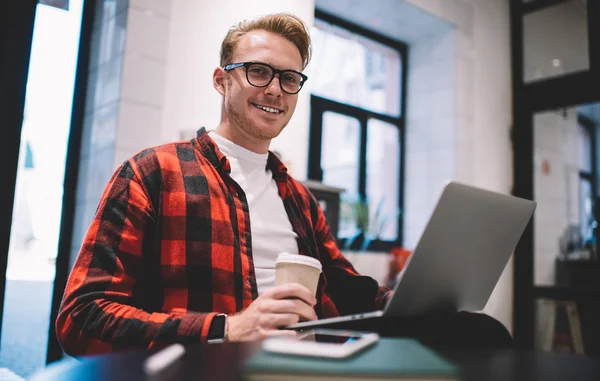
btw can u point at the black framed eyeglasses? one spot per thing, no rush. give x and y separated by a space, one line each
261 74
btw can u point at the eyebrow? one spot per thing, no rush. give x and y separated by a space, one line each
270 64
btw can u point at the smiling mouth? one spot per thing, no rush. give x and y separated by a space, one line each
270 110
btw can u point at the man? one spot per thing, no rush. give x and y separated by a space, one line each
183 245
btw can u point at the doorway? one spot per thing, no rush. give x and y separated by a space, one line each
556 113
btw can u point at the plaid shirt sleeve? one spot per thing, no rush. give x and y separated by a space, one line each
350 291
98 312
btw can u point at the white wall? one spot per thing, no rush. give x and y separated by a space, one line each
431 146
196 31
141 103
474 138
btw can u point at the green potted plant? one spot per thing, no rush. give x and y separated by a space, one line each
356 211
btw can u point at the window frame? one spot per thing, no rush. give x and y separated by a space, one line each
320 105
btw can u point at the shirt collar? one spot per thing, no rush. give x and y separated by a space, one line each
210 150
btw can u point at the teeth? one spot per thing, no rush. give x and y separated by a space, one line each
268 109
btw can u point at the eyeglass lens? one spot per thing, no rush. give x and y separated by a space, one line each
260 75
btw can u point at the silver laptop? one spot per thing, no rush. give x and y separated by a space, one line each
459 258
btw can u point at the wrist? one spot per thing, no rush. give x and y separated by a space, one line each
231 328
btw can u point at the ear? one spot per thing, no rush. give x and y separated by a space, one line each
219 80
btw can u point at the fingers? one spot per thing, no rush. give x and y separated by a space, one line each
292 290
256 326
288 306
275 321
280 332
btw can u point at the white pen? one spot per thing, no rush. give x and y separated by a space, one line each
163 358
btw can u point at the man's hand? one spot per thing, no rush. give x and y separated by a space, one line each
279 306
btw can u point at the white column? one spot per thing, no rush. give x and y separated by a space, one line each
101 120
142 93
482 112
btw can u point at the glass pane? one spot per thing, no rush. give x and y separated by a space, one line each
37 214
587 222
565 215
585 149
555 41
352 69
590 115
383 178
339 161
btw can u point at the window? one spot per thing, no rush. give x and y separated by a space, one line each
587 220
356 128
37 216
355 70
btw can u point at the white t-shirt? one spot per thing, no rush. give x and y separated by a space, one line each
270 226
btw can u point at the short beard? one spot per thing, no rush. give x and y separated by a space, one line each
245 124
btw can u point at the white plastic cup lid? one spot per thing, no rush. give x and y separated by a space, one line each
302 259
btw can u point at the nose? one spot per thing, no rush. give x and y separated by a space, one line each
274 88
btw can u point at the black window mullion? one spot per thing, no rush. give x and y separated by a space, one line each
354 111
362 159
593 21
401 156
586 175
536 5
315 171
402 153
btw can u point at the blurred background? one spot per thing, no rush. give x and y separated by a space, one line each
403 95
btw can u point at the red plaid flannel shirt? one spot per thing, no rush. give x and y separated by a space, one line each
170 247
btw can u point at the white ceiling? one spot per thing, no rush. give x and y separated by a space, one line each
395 19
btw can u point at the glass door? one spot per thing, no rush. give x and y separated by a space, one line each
37 204
556 114
566 266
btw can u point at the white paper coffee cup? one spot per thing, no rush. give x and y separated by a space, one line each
294 268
